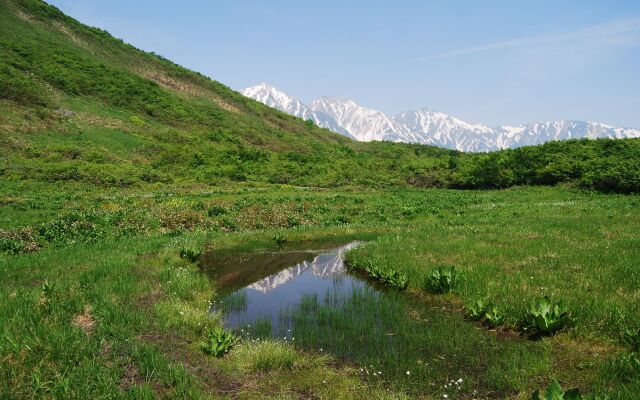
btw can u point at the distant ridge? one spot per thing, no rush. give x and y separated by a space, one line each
425 126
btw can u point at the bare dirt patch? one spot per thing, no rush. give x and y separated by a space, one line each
85 321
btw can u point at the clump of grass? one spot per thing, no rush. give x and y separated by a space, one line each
190 253
279 238
626 366
218 342
632 339
554 392
265 356
216 210
442 280
546 318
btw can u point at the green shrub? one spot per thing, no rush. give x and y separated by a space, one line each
216 210
229 224
190 253
546 318
10 246
554 392
218 342
441 280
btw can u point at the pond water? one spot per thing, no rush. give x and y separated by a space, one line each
301 292
257 287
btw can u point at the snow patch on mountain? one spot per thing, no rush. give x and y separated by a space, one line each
425 126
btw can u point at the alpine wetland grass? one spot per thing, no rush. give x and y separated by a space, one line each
509 261
407 345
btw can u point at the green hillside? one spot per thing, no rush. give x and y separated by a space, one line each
80 105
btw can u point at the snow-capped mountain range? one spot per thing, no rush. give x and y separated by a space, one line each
425 126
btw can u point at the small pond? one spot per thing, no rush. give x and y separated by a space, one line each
301 292
258 287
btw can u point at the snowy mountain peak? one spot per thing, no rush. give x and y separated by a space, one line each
426 126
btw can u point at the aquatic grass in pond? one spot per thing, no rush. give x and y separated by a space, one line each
409 345
235 302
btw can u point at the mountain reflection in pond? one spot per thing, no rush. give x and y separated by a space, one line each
306 296
257 286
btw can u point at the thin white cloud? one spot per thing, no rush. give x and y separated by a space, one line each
626 31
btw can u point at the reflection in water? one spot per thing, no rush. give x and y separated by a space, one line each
305 296
314 273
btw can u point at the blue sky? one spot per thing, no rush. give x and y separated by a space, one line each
492 62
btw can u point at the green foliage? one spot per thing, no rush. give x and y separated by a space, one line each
493 316
47 288
279 238
441 280
490 314
632 339
477 309
394 279
266 356
216 210
388 277
554 392
546 317
627 366
191 254
218 342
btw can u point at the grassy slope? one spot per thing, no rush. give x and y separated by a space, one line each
138 119
149 120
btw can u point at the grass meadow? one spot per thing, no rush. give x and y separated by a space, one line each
106 307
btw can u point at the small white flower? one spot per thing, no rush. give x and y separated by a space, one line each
408 372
